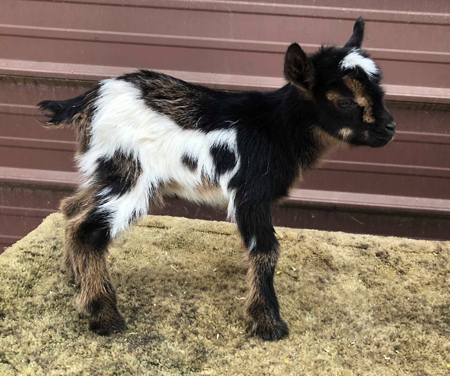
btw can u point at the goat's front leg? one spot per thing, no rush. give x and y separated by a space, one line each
255 224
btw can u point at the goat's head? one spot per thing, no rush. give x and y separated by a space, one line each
344 85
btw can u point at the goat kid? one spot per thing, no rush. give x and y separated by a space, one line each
144 136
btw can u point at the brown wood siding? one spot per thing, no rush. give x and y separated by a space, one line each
57 49
407 38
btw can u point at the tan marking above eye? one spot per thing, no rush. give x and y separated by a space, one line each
333 96
367 105
361 98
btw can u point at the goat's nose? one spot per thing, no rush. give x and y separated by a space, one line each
391 126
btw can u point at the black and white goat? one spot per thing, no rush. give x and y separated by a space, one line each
145 135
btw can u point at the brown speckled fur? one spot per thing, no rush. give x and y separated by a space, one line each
261 265
169 98
87 265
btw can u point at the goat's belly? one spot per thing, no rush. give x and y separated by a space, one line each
202 194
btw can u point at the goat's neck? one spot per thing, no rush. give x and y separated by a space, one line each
297 126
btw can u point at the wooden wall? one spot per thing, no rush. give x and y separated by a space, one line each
57 49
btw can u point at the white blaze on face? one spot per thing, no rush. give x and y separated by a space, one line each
354 58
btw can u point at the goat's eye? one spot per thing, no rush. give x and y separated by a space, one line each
344 103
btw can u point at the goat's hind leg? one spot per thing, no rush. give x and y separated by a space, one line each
87 238
75 209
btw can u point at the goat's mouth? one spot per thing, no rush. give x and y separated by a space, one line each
377 141
392 139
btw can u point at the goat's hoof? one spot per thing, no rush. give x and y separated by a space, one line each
104 327
270 331
73 282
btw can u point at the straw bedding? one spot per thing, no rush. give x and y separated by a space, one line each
356 305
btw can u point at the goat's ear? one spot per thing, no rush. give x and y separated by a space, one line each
356 39
298 69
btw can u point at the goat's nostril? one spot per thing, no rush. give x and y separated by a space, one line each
391 126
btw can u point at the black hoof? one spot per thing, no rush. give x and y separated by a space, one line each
107 327
270 331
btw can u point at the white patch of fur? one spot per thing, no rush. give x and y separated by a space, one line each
252 244
231 211
345 134
123 122
123 208
354 58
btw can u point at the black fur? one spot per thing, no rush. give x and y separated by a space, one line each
63 112
298 68
94 230
189 162
356 39
118 174
224 159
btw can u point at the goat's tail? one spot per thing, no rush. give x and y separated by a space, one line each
70 111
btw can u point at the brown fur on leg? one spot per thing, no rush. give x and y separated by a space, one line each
75 210
98 297
86 246
262 304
